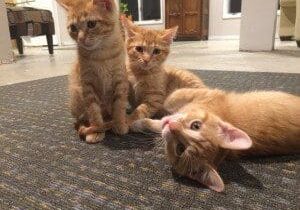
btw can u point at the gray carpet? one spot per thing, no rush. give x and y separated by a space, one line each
43 164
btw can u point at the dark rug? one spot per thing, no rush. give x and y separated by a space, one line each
43 164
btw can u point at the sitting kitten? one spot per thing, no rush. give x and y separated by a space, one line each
98 83
150 80
207 125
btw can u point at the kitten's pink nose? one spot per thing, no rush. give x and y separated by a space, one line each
174 126
81 37
147 59
165 122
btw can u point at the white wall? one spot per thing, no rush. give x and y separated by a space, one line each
220 28
64 36
264 13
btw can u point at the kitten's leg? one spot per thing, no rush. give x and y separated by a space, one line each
120 99
77 106
93 129
91 138
93 110
82 120
146 110
179 98
79 113
147 124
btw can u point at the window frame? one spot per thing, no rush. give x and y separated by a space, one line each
227 15
148 22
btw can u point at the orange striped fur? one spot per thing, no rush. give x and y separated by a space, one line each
98 84
151 81
208 125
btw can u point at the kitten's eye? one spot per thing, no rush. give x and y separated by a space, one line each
91 24
180 149
156 51
196 125
139 49
73 28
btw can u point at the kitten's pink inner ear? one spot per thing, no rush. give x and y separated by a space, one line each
210 178
234 138
170 34
107 4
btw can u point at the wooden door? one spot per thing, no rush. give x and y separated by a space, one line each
191 18
174 15
187 14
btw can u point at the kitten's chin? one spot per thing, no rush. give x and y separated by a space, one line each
144 67
90 47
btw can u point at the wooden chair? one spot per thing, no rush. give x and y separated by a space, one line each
27 21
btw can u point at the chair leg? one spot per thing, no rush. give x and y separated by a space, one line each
20 45
50 43
298 43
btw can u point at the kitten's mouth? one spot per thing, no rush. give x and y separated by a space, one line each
167 129
166 133
146 66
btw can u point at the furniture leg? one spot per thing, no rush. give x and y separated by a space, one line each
50 43
20 45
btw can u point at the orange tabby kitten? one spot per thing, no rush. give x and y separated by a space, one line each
151 81
98 83
207 125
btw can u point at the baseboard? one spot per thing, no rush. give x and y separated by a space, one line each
229 37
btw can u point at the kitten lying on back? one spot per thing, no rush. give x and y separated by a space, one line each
207 125
150 80
98 83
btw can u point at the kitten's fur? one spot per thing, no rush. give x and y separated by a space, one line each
150 79
254 123
98 83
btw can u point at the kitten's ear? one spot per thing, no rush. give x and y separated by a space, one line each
129 26
63 4
210 178
170 34
107 5
233 138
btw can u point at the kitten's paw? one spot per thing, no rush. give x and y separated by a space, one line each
121 129
138 126
94 138
81 132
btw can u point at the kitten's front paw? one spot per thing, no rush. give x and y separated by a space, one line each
89 137
138 126
94 138
121 129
